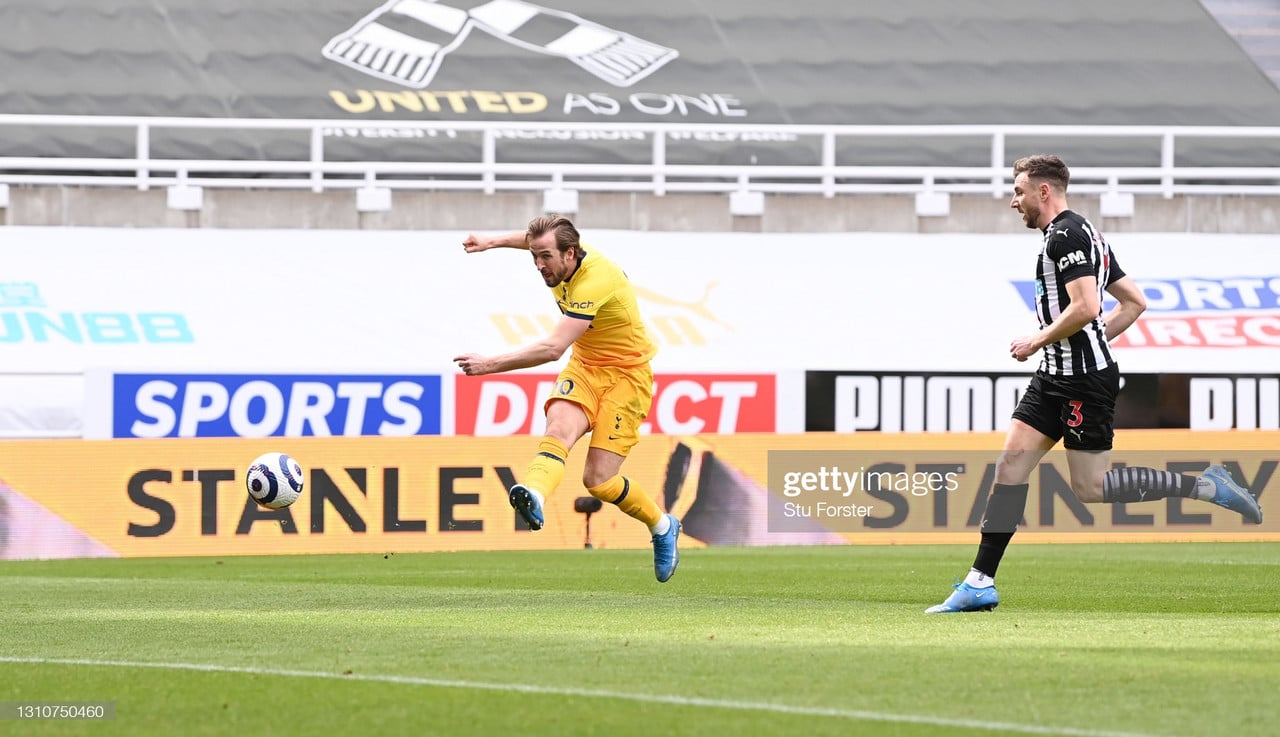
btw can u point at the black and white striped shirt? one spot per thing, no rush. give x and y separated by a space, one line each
1073 248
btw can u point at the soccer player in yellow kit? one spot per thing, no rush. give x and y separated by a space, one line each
606 388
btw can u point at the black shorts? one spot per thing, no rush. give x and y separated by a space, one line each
1079 410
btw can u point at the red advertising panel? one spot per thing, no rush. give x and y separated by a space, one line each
511 404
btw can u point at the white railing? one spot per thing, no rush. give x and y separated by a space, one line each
826 175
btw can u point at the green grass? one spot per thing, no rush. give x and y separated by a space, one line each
1090 640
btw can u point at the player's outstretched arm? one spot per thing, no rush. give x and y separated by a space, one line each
1131 303
476 243
549 349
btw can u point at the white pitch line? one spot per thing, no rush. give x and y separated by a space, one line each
765 706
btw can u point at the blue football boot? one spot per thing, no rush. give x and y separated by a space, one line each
527 505
1230 495
967 598
666 556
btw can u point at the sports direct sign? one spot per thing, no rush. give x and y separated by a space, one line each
174 405
682 404
1199 312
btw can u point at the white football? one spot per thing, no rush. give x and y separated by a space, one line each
274 480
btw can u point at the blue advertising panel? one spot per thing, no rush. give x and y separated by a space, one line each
274 405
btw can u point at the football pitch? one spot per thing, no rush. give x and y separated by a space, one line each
1090 640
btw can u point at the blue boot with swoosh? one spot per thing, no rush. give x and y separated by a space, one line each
1230 495
666 553
967 598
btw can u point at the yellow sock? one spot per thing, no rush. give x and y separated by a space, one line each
630 498
546 470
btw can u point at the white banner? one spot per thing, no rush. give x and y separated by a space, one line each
218 300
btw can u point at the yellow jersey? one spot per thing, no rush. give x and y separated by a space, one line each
599 291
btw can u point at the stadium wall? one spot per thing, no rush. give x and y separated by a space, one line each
233 208
169 358
859 331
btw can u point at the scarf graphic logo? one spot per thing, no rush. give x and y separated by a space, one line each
405 41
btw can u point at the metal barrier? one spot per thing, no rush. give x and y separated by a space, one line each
826 176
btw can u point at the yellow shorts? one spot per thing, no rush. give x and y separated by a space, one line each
615 400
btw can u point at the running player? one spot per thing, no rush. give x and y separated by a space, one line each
1072 395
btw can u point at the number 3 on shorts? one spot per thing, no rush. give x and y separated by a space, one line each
1075 419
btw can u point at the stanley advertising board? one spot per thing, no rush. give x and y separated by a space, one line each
185 496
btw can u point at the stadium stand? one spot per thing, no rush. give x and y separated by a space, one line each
1255 25
471 111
